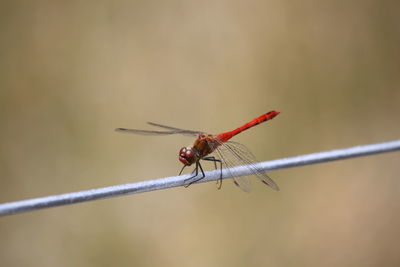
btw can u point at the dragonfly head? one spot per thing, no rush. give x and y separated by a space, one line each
187 155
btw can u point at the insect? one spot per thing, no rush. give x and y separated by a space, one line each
226 152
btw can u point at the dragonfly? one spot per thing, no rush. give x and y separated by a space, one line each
217 149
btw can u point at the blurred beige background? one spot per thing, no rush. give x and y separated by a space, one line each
72 71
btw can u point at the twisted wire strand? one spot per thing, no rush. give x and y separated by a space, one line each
174 181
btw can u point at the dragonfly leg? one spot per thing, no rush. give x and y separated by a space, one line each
196 169
219 181
184 166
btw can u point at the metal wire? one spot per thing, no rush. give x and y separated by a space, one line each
163 183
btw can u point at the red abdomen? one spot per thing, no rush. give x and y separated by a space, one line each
267 116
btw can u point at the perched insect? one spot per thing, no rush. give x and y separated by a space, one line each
228 153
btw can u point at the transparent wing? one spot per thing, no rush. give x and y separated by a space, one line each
229 161
145 132
170 130
178 130
234 154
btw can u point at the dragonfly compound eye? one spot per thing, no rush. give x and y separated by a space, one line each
187 156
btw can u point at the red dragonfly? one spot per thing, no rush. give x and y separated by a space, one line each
229 153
